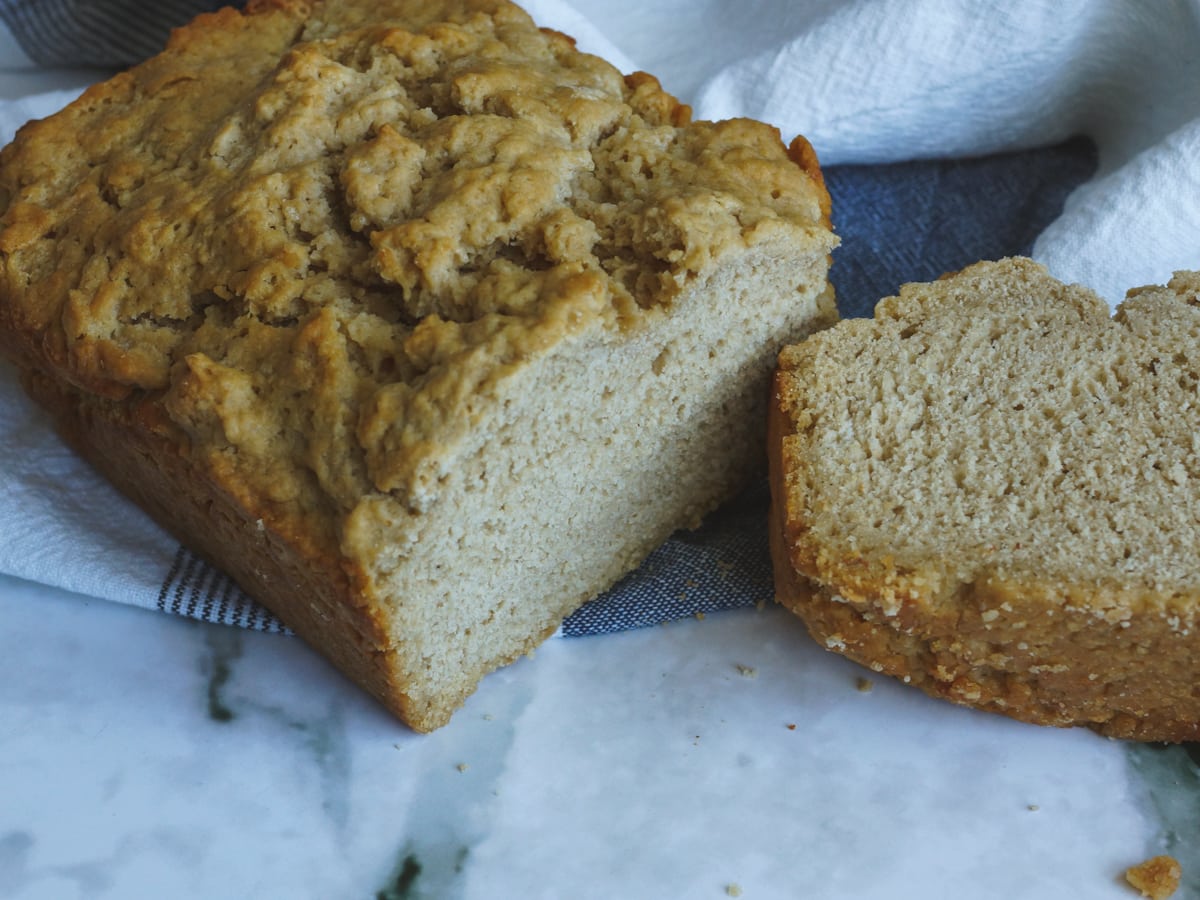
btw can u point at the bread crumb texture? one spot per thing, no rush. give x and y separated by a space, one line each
1156 878
992 489
343 264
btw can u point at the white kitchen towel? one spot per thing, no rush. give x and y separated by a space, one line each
897 79
943 127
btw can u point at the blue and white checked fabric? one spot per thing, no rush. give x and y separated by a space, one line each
101 33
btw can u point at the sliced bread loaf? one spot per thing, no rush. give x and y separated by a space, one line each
422 324
992 490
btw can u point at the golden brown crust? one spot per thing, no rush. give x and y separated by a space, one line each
803 154
1091 645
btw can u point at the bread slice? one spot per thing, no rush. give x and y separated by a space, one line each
991 490
423 325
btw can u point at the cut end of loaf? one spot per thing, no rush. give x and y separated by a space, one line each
992 490
645 435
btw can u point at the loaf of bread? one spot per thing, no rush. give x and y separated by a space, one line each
423 325
991 490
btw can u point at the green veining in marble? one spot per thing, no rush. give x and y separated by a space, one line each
325 738
224 648
1170 781
426 872
451 812
402 882
322 735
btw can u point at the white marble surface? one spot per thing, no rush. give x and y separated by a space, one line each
143 755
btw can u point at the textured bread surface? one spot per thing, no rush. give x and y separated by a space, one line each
421 323
992 490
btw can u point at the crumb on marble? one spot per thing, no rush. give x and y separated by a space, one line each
747 671
462 767
699 616
791 726
1033 807
864 685
760 605
733 890
1156 878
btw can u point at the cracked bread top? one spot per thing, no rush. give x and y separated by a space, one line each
315 231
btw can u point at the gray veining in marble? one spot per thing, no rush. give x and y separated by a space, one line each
1169 782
